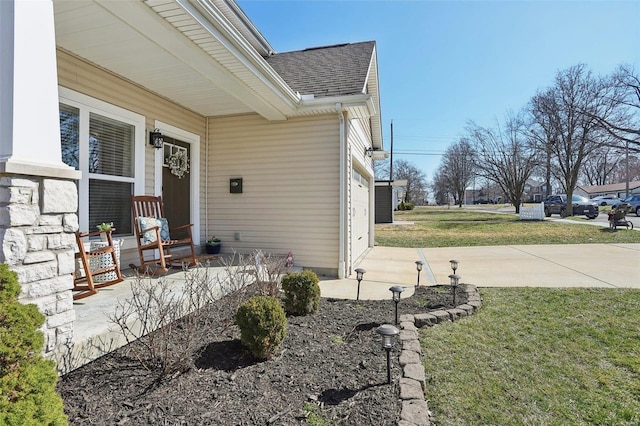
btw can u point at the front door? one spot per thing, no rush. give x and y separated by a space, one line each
176 189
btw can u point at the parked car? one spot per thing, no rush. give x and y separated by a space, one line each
557 204
634 203
606 200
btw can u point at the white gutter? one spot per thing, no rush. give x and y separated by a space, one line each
342 215
240 47
237 10
310 103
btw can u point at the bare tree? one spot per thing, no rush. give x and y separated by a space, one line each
381 169
439 187
599 167
619 174
567 113
623 90
416 191
503 156
457 169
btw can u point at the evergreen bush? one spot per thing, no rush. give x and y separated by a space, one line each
27 381
263 325
301 292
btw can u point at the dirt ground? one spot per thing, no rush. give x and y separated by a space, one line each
330 368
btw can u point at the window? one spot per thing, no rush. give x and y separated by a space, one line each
101 141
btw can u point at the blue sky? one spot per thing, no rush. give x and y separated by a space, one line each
442 63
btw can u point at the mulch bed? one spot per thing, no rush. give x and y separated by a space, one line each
330 365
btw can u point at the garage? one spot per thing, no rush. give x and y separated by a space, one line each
359 214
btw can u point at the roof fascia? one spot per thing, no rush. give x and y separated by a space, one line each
235 8
138 15
234 41
348 102
373 73
360 106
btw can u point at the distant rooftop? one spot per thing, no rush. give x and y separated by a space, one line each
326 71
614 187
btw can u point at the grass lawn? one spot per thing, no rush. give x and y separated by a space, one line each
530 356
441 227
538 357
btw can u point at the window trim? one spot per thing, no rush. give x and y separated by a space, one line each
87 104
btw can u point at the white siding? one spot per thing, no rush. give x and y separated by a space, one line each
290 173
360 192
90 80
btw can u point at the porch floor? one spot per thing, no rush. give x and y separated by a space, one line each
94 334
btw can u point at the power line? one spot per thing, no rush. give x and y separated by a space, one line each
433 153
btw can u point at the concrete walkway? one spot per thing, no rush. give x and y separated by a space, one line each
575 265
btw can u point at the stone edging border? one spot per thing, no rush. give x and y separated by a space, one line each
415 411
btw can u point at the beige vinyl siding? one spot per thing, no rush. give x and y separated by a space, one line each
93 81
290 199
359 138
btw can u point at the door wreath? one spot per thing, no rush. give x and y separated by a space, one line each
178 163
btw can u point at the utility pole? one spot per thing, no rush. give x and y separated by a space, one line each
391 160
626 194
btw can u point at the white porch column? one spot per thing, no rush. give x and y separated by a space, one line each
29 113
38 195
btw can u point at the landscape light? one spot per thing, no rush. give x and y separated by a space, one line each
454 265
396 290
419 264
455 279
359 274
389 334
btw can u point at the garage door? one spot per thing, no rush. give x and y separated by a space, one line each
359 215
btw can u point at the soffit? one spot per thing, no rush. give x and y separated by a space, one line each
162 46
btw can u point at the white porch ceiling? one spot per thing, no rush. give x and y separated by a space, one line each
175 49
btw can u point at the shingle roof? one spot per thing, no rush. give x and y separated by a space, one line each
614 187
326 71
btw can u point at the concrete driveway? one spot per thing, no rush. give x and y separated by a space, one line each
571 265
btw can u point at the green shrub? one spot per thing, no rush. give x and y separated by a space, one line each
27 381
409 206
301 292
263 325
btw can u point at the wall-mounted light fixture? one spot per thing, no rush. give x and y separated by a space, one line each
368 152
155 139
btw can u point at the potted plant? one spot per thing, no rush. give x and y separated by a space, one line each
105 226
213 245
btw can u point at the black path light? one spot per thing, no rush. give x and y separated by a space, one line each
389 334
455 280
454 265
396 290
419 265
359 274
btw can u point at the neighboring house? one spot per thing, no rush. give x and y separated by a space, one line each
617 189
534 191
85 82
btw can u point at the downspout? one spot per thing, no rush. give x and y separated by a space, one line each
342 215
206 183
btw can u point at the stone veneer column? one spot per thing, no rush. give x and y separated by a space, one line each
37 222
38 196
